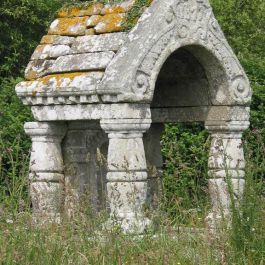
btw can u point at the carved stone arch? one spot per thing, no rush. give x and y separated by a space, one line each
228 82
189 24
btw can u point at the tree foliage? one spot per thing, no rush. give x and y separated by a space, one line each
22 23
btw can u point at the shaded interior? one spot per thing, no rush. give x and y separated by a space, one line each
182 82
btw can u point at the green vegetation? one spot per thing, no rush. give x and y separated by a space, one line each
131 18
22 24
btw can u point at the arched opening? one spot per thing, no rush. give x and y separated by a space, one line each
184 92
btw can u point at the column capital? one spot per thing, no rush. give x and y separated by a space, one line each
227 127
37 130
125 128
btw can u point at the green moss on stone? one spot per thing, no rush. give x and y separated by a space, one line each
132 15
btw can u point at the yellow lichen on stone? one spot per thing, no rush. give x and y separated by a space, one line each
68 26
110 23
93 21
54 81
90 31
95 9
48 39
40 52
62 13
113 9
74 12
118 8
59 78
90 10
31 75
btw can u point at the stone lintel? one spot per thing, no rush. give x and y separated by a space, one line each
91 112
210 114
213 115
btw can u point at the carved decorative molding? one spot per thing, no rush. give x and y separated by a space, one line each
192 23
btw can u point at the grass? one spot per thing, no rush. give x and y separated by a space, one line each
68 245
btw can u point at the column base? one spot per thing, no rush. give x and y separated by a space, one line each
43 219
128 225
216 220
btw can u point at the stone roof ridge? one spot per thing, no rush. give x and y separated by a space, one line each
95 8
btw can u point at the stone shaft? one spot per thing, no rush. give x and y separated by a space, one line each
127 172
226 167
46 170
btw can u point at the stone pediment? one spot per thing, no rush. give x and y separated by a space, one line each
86 58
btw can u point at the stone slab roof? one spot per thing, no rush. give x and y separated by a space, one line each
74 54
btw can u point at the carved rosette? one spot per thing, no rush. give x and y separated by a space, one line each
241 89
141 85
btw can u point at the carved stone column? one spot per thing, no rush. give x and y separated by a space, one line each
127 173
46 170
226 167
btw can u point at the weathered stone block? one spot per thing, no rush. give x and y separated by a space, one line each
122 7
127 199
226 154
75 81
93 21
81 62
76 138
47 197
98 43
37 68
92 9
59 50
41 52
57 40
126 155
110 23
68 26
